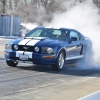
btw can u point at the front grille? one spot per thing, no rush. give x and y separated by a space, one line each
28 48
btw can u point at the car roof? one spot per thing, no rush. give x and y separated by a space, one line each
62 28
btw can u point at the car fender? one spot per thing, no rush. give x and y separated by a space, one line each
59 48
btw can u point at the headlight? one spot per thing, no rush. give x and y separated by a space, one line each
15 47
8 47
48 50
36 49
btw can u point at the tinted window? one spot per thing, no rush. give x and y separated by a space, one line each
74 34
47 32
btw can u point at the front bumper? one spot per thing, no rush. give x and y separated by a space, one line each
35 58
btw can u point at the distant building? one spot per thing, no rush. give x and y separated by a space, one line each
9 25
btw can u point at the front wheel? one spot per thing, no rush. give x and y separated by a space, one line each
11 63
59 65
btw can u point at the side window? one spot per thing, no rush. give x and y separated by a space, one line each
74 36
60 32
57 32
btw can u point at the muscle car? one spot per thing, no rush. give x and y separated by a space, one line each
49 46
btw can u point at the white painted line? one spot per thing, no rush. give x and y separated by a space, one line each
93 96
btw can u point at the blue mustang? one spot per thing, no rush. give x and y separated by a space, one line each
50 46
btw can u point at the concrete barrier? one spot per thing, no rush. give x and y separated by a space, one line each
93 96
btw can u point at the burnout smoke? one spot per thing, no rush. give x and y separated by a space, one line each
85 18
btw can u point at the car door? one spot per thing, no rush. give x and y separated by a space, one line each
74 45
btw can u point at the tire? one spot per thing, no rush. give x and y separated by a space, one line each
59 65
11 63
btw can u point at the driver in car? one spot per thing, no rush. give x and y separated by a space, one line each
63 35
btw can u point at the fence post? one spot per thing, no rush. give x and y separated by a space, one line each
11 26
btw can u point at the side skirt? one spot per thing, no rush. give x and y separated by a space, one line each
74 57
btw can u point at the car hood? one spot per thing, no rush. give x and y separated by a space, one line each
37 41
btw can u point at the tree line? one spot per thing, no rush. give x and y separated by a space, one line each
36 10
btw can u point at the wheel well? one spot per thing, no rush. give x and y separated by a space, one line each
81 49
64 52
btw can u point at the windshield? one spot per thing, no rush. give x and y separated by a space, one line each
47 32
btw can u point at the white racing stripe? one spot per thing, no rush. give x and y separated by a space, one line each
28 42
32 42
19 53
23 42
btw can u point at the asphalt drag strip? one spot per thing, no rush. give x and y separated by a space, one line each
37 82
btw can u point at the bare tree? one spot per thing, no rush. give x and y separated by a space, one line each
37 10
3 6
97 2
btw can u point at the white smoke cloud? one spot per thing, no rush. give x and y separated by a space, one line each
83 17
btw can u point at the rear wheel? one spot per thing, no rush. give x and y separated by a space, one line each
88 57
11 63
59 65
